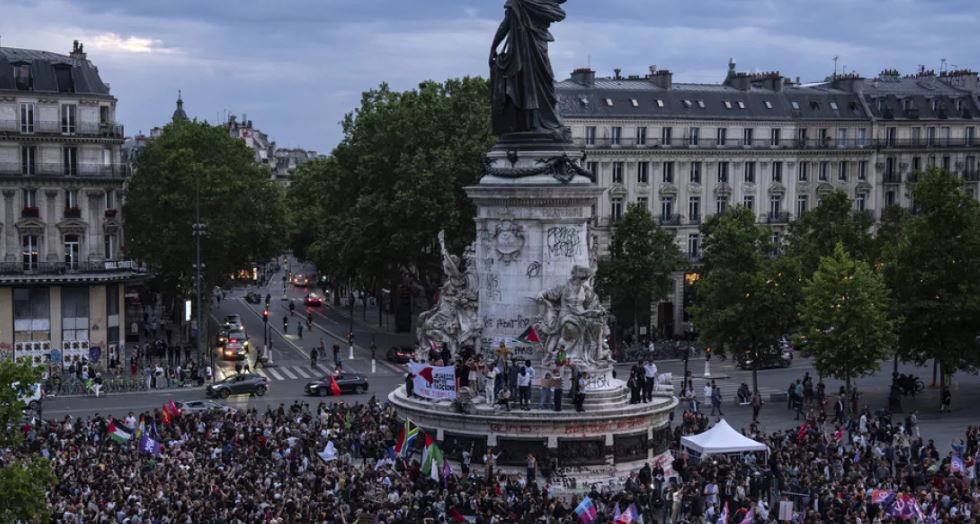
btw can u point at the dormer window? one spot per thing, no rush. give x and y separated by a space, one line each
768 104
728 105
22 77
635 102
906 104
609 102
814 105
741 105
701 104
660 103
688 104
796 105
833 105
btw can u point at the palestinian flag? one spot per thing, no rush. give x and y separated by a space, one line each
403 445
529 336
117 433
432 459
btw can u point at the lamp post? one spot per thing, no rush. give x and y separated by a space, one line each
199 230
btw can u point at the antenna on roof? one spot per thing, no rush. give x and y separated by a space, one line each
942 65
836 58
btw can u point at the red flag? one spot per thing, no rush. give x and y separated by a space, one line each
530 336
166 415
456 515
174 412
801 434
334 388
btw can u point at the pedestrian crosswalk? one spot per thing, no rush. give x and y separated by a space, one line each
729 388
300 372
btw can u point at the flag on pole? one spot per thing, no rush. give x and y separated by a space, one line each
140 428
881 496
586 511
404 443
956 465
117 433
749 516
149 446
529 336
629 516
432 459
616 513
166 415
723 518
174 410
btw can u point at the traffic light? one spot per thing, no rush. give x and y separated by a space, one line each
265 316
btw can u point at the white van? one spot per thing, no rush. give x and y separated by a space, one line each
31 398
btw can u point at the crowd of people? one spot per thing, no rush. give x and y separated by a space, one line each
335 463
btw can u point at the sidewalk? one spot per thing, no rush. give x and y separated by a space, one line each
369 321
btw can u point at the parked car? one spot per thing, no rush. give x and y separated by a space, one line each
400 354
771 358
253 297
236 346
313 300
198 406
239 384
232 322
348 383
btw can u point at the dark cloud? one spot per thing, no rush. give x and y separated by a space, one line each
296 66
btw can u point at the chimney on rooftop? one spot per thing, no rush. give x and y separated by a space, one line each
618 72
852 83
663 78
584 77
77 50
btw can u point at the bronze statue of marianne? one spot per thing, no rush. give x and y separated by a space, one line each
522 81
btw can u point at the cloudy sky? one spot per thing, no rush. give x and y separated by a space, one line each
295 67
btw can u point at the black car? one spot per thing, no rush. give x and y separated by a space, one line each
348 383
771 358
253 298
400 354
239 384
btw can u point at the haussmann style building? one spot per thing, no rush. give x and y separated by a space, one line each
63 276
775 146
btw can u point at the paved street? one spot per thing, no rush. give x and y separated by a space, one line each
292 370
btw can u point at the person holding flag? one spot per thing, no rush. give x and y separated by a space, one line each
586 511
404 443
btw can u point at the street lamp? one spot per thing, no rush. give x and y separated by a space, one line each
199 229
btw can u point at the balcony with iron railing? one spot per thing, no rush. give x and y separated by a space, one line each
892 178
781 217
16 128
712 143
971 175
925 143
669 220
68 267
59 169
765 143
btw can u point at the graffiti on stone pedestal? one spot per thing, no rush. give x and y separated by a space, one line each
599 381
534 269
563 242
492 287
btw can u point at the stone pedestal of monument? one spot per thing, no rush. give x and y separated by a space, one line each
534 207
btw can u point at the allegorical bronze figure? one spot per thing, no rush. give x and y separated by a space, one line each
522 81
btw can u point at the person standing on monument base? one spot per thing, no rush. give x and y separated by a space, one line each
649 380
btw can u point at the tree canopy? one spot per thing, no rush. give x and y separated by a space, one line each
23 479
240 206
935 271
743 301
393 182
638 270
845 317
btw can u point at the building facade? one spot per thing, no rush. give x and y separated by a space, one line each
62 271
288 160
688 151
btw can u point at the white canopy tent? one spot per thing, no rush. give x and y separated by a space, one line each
721 439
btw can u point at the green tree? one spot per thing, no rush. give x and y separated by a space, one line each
393 182
23 478
834 221
240 206
845 318
743 300
638 271
937 275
